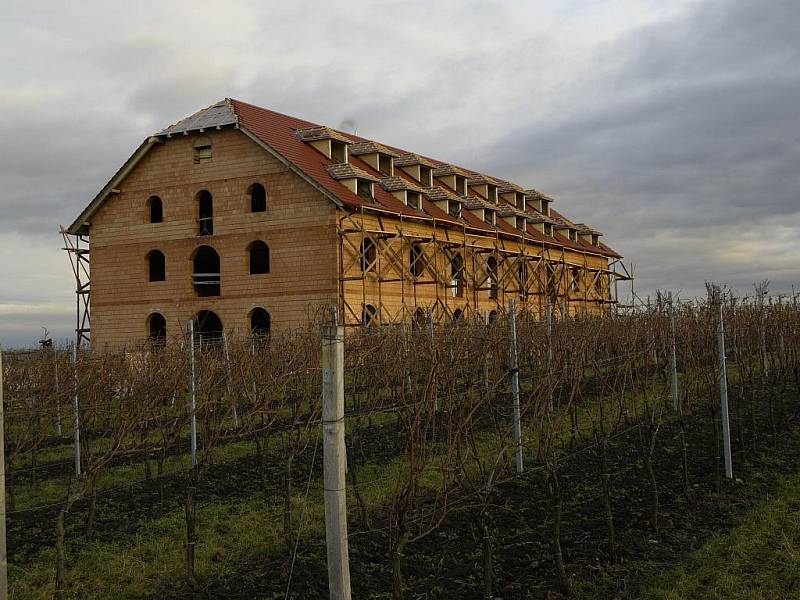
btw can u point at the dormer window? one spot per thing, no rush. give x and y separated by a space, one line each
545 204
595 239
573 235
364 189
338 151
491 193
454 208
461 185
548 229
385 165
425 176
414 200
519 223
519 200
489 217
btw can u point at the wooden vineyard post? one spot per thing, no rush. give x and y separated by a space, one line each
673 362
549 323
76 413
512 318
723 393
235 414
192 397
334 462
3 555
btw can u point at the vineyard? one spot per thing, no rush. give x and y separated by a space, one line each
526 458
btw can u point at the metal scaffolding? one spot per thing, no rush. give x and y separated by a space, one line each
77 248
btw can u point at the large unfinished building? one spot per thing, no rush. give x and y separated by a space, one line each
246 220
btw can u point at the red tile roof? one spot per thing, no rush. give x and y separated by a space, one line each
283 135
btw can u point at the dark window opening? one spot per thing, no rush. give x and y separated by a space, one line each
425 175
414 199
488 216
364 189
454 209
419 321
385 165
156 209
369 315
598 285
157 328
491 271
156 266
461 185
548 229
369 255
202 150
520 223
595 240
260 322
206 275
520 200
338 151
258 198
458 314
416 260
457 271
207 328
575 278
206 212
491 193
259 258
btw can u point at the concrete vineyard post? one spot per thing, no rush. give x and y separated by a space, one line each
723 393
192 397
333 449
512 319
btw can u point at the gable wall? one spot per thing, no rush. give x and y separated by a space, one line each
298 226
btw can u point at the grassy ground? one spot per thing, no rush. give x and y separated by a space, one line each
758 560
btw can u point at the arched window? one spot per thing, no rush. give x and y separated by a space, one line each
493 317
156 266
416 260
155 209
369 255
491 276
202 149
157 328
205 204
259 258
207 279
457 273
260 322
458 314
369 315
258 198
207 327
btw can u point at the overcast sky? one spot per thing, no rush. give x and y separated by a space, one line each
674 127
